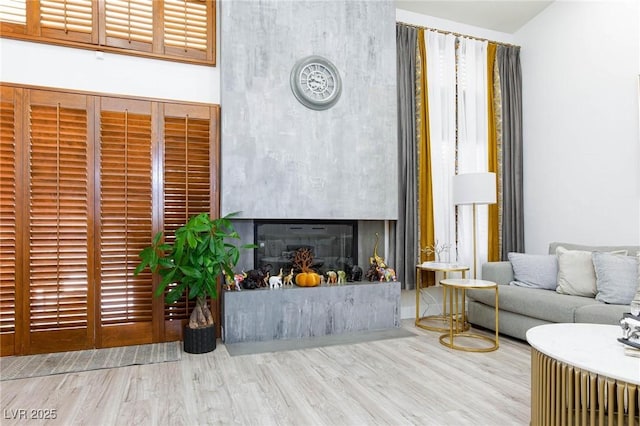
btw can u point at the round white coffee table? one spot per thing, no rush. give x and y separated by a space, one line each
580 374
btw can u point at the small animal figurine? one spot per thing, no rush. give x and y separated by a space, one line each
386 274
238 278
288 279
375 258
356 273
227 282
332 277
373 273
265 280
276 280
342 277
256 277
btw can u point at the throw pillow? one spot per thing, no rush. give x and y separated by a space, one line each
636 300
534 270
576 275
616 278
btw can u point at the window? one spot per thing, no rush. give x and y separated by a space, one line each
170 29
85 183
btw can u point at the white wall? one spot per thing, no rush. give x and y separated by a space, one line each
581 64
77 69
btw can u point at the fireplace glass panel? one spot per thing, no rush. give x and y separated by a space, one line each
333 243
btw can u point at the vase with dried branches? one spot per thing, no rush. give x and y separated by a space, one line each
439 250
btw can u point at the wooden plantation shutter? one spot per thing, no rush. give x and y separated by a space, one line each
13 11
13 17
182 30
60 252
8 217
71 20
82 191
125 225
189 144
186 28
129 24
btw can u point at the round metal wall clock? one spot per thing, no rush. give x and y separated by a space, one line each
316 83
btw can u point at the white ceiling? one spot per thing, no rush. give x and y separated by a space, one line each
506 16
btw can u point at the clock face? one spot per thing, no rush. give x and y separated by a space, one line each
315 82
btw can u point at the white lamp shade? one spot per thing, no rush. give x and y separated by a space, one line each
474 188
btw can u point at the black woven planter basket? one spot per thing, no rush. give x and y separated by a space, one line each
199 340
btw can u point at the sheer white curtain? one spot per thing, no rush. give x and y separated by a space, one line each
472 143
441 81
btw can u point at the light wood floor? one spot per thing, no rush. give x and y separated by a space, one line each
407 381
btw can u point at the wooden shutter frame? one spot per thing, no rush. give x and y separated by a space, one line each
44 341
125 333
72 36
32 31
10 342
24 97
172 329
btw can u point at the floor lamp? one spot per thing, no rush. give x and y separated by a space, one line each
474 189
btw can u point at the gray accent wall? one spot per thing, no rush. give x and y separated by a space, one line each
283 160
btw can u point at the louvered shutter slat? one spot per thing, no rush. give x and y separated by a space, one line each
7 215
185 26
58 205
67 19
186 168
129 23
13 11
125 220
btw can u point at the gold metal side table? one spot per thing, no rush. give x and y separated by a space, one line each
456 289
444 318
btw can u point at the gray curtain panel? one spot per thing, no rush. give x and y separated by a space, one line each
406 232
508 58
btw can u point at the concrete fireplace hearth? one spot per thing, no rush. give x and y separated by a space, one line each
302 312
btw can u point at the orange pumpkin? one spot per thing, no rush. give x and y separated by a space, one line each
307 279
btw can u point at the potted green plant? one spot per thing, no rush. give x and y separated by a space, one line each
200 254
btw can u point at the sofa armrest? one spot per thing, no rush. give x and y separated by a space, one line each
498 272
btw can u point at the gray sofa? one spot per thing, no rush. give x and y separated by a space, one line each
521 308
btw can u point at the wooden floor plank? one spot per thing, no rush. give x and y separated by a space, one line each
406 381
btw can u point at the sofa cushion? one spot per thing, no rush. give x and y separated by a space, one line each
600 313
631 250
534 270
500 273
636 300
616 278
545 305
576 275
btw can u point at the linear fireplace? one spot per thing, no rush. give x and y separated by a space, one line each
333 243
